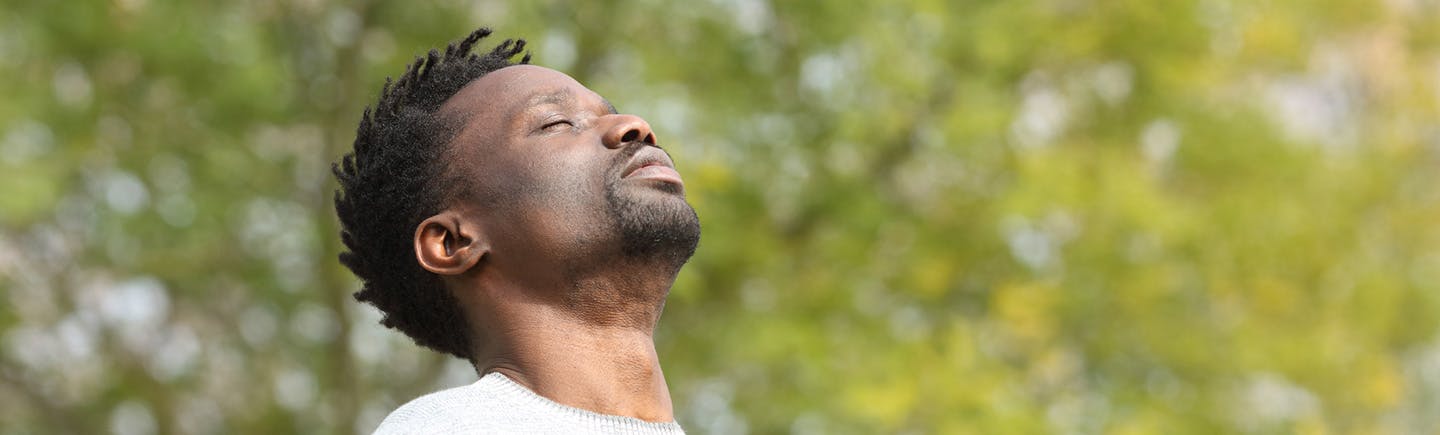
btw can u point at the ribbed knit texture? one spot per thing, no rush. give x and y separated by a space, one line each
497 405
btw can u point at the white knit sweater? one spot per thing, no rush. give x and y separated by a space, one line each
497 405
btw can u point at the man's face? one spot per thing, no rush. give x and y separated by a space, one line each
554 174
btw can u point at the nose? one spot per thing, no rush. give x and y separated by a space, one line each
625 129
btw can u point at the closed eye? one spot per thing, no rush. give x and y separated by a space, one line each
553 125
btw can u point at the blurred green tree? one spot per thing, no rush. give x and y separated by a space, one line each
921 216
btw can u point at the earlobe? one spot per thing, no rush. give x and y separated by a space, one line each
447 244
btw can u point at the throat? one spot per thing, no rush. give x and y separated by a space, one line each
613 371
582 337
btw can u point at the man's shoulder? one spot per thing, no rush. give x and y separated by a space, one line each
494 404
461 409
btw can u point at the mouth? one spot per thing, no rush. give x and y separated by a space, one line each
652 163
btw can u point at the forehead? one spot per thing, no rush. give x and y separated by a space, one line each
508 91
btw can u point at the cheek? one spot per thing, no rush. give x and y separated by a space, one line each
561 190
563 209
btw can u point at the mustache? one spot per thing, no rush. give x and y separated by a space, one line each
627 151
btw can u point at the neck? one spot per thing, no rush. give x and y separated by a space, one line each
593 349
611 371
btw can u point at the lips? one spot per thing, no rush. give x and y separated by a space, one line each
652 163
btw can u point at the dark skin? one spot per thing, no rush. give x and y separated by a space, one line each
529 250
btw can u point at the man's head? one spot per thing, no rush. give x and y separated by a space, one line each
471 166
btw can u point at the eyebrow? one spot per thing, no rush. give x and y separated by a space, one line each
565 96
558 97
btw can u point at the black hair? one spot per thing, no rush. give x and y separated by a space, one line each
389 186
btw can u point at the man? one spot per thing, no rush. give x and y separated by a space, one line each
505 214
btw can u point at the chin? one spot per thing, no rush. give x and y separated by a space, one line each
655 223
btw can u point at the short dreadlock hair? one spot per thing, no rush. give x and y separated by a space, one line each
389 185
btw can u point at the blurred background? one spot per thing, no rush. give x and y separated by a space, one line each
1063 216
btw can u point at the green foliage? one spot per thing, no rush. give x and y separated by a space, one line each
1201 216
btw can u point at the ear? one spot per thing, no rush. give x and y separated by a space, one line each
449 244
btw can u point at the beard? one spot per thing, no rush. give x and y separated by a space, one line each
655 226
